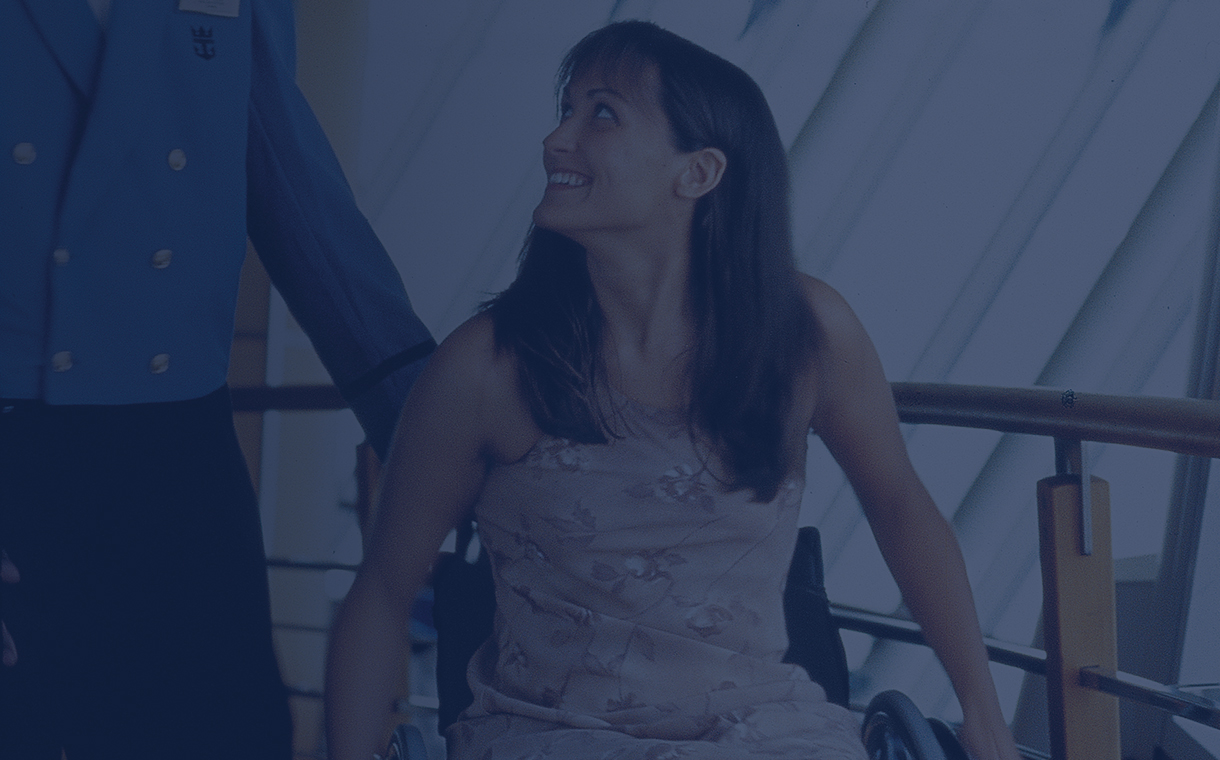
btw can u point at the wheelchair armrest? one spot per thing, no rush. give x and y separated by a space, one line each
814 642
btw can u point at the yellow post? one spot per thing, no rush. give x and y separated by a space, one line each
1078 613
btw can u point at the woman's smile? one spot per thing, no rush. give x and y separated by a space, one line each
613 144
567 179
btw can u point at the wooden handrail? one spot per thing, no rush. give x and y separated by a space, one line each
1185 426
1182 425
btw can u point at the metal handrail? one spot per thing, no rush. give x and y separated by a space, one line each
880 626
1170 699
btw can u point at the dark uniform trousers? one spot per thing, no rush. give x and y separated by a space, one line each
142 618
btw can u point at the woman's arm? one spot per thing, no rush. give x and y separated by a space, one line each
856 419
453 424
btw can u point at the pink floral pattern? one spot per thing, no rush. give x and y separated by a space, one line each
639 611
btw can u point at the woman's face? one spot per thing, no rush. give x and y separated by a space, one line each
611 166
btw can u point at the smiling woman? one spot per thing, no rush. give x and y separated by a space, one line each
628 422
611 163
681 200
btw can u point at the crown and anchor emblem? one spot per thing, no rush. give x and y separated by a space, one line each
205 43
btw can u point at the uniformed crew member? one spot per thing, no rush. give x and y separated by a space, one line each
141 141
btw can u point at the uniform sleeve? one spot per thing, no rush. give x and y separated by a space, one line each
318 248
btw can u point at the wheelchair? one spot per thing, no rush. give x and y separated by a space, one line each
464 605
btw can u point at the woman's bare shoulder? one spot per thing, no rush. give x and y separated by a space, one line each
833 315
472 345
841 338
844 362
477 382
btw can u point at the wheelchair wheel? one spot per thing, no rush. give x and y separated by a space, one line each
894 729
406 744
948 740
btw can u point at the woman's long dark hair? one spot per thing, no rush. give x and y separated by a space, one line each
753 328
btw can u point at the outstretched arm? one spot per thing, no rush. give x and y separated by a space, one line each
448 433
856 419
317 246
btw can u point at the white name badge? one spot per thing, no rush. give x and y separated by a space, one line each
226 8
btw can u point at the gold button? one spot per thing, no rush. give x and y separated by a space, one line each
159 364
24 153
61 256
177 159
161 258
61 361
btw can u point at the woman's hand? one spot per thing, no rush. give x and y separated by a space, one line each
987 738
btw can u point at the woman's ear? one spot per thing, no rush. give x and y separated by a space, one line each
704 169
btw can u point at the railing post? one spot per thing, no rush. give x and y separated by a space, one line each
1078 609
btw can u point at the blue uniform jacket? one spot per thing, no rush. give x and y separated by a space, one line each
138 162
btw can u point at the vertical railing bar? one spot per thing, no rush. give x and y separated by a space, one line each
1063 464
1071 459
1086 504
